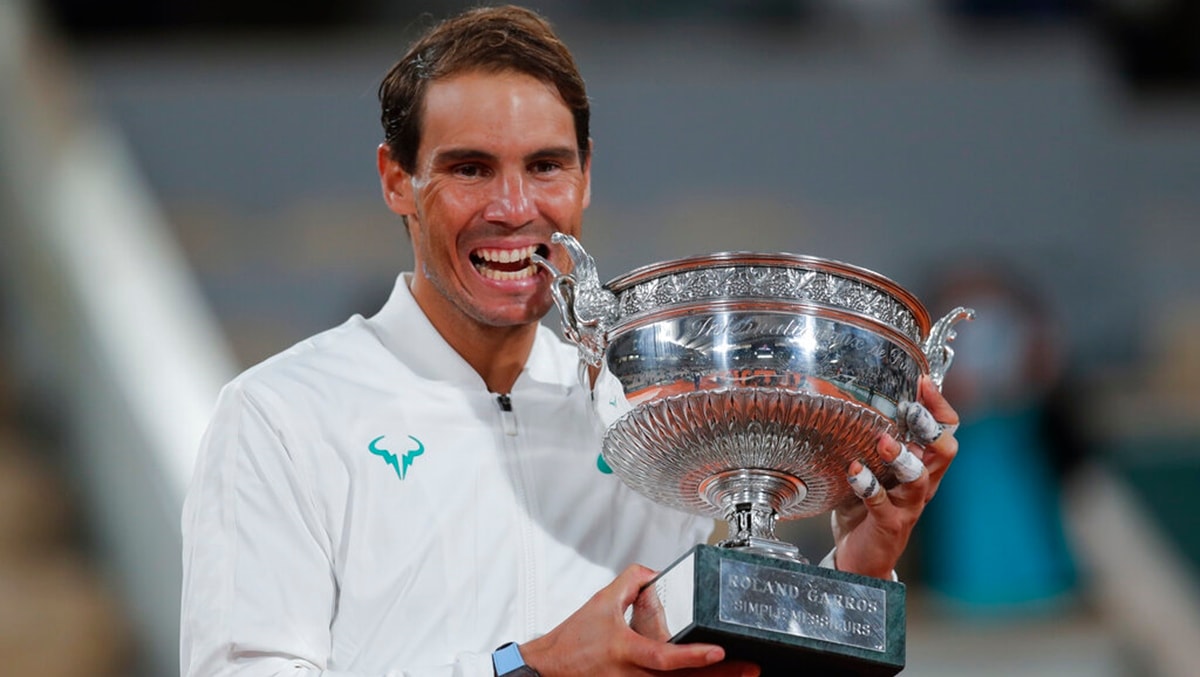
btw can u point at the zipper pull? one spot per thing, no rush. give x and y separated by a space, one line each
507 418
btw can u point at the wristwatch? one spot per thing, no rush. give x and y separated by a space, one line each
507 662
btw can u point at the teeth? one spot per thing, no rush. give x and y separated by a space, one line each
483 257
491 273
506 255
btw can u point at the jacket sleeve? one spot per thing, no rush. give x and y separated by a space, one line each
259 588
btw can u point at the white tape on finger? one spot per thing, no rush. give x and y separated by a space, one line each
923 427
864 483
907 466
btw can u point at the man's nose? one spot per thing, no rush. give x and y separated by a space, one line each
512 203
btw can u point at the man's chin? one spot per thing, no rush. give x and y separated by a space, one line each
518 316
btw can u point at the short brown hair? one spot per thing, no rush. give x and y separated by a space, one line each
490 39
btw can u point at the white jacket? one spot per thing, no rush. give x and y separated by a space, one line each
362 505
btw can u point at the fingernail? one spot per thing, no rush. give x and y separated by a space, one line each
891 450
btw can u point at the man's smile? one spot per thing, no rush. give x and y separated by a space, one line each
507 264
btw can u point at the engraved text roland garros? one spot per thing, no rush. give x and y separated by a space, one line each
792 591
801 605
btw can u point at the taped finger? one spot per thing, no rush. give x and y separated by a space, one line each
922 426
863 481
907 466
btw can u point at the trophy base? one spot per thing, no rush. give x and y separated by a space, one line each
787 617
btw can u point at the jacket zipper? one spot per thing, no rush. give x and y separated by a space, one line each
508 422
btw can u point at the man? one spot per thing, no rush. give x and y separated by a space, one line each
403 494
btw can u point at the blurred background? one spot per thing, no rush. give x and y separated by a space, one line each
189 187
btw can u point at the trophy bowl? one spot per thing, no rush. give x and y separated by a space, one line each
742 385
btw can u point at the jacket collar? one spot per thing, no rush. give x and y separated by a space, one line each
407 333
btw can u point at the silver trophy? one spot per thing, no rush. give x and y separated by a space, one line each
741 386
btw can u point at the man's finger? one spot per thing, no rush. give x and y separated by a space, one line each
648 617
923 428
864 484
631 581
906 466
932 399
654 655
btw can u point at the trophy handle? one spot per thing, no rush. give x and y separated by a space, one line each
937 347
587 309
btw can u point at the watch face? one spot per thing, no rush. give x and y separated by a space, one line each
507 662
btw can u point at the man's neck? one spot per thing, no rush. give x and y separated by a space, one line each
498 354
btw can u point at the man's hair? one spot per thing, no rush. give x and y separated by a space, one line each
488 39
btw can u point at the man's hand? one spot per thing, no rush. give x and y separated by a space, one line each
871 534
596 640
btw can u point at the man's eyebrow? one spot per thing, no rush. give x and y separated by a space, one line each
454 155
562 153
451 155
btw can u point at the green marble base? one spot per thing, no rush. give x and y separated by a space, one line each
787 617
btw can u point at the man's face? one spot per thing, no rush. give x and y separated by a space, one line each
498 171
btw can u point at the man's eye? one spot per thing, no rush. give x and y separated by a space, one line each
546 166
469 171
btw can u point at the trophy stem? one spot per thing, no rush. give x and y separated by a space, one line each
750 501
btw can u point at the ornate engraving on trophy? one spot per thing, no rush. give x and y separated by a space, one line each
777 283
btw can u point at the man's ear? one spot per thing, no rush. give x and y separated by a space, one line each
395 183
587 175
